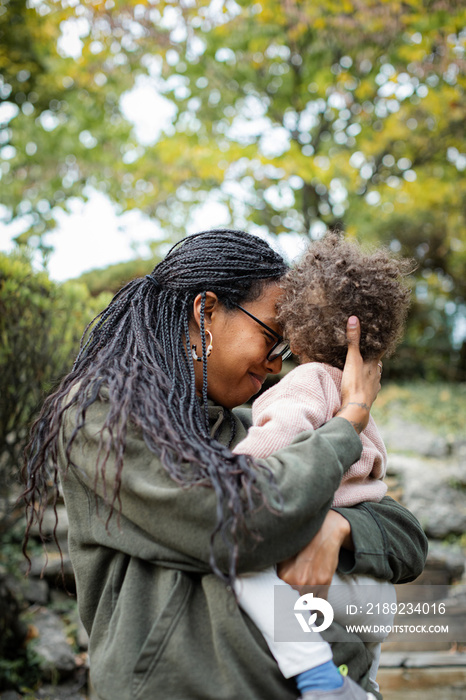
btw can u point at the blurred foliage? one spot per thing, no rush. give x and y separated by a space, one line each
112 278
21 671
19 664
426 351
290 115
41 324
440 407
60 111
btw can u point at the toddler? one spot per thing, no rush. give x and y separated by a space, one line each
334 280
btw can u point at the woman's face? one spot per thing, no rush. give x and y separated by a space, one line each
238 365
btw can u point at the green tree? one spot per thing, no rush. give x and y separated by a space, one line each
316 112
63 129
112 278
346 114
41 324
294 115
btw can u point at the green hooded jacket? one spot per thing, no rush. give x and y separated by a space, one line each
161 624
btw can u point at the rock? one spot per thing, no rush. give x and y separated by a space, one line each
52 644
12 629
421 659
50 521
432 489
64 691
63 603
404 466
447 558
67 605
53 569
440 683
400 436
33 590
459 448
441 511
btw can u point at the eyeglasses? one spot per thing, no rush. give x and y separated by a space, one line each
281 348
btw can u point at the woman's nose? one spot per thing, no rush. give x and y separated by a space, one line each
274 366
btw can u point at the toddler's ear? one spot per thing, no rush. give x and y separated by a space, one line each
301 356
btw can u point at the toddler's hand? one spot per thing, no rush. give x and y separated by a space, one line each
360 382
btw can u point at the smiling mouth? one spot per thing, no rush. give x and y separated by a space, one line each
258 381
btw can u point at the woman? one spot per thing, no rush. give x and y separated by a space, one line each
162 514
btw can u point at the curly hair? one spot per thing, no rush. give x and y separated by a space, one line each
336 279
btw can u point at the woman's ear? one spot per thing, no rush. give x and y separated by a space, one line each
211 303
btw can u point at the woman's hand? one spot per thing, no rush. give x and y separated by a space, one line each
317 562
360 382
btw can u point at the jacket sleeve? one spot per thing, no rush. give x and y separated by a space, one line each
164 517
389 542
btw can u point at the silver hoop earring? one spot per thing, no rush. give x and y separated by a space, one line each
208 351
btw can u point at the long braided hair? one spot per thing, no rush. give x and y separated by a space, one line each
138 348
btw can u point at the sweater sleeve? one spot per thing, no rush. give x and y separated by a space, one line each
160 519
296 404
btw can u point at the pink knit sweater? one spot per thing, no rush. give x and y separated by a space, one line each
306 398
